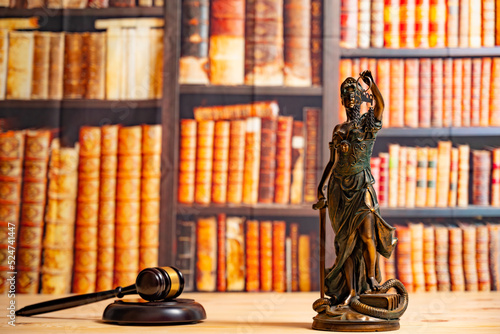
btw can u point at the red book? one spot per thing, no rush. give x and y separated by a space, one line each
278 272
375 169
221 252
403 250
267 160
383 195
481 177
311 116
252 256
317 42
391 23
422 23
437 92
294 236
349 23
407 23
283 160
437 23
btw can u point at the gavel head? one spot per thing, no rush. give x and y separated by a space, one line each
159 283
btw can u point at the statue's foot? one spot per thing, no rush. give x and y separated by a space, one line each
347 301
374 284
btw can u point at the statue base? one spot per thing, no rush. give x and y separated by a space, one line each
324 322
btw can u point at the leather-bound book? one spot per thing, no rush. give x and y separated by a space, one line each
29 242
34 3
448 92
452 23
20 65
312 134
4 54
484 117
417 256
236 168
391 23
304 266
457 92
421 189
297 36
437 92
345 70
481 177
297 168
227 42
463 176
157 63
278 272
466 91
469 256
264 59
107 207
94 50
396 98
424 93
150 196
266 256
252 161
411 82
442 246
437 23
392 198
187 161
456 259
443 173
115 75
404 252
384 81
317 42
193 63
283 160
206 254
98 4
422 23
475 108
86 236
56 66
74 67
463 23
40 80
185 255
221 162
482 258
237 111
432 169
429 259
252 256
452 193
488 24
349 24
401 172
407 24
235 253
143 64
495 177
58 240
11 173
475 24
377 24
495 92
494 255
383 191
411 176
267 160
294 237
375 170
121 3
221 252
364 16
204 162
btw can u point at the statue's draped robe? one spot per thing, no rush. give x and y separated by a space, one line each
351 198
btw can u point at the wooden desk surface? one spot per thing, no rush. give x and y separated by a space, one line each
244 313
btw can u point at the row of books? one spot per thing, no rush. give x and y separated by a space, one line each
123 63
418 24
248 154
219 253
433 92
258 43
78 4
463 257
86 217
409 177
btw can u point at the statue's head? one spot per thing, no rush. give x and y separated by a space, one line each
350 93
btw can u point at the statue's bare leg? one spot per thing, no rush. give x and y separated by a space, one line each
367 233
349 274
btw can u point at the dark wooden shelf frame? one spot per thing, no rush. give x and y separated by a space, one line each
421 53
440 132
94 12
80 104
251 90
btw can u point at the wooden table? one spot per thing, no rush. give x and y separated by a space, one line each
427 313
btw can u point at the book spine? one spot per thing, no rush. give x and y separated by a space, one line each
421 188
481 178
401 175
235 258
317 42
469 257
156 63
238 111
488 28
297 167
447 92
463 23
144 64
393 175
411 101
437 23
297 40
4 54
457 92
494 255
221 162
432 161
187 161
384 81
443 173
463 176
252 256
150 196
94 51
20 65
283 159
204 162
475 109
466 91
252 161
227 42
383 195
495 178
130 45
495 92
194 42
403 251
58 239
442 246
278 256
482 260
390 266
391 23
56 63
475 24
206 254
294 237
429 259
266 256
452 194
267 160
31 227
40 77
375 170
417 256
185 256
115 58
349 24
11 173
304 256
121 3
221 252
237 133
98 4
397 98
425 93
288 264
456 259
484 114
422 23
411 176
345 71
74 81
452 23
437 92
128 205
377 24
407 23
364 16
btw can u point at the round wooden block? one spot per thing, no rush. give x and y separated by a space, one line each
133 311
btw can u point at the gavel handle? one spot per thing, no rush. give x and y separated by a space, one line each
73 301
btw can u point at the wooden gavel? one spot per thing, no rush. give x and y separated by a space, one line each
152 284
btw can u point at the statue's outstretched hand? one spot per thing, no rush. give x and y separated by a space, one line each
320 204
367 77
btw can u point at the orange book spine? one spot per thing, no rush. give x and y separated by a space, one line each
437 23
466 91
463 176
495 178
401 170
252 161
375 170
31 226
294 237
74 74
442 246
482 261
128 205
278 272
11 173
237 111
94 51
377 24
204 162
397 98
484 117
390 266
364 27
488 28
457 92
383 193
252 256
411 101
475 108
40 79
494 255
417 256
297 163
391 23
407 23
403 251
437 92
452 23
424 93
443 173
235 254
283 160
432 160
107 208
447 92
469 257
221 162
393 175
349 24
187 161
236 168
463 23
312 134
384 81
304 267
429 259
267 160
221 252
422 23
495 92
317 42
452 194
206 254
475 24
481 177
421 188
456 259
345 71
150 196
266 256
411 176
